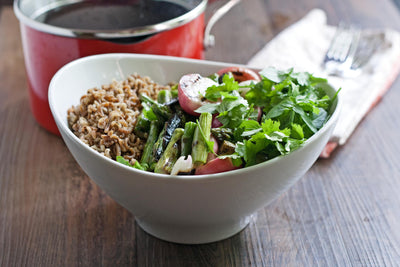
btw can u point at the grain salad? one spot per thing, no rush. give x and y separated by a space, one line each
105 117
231 119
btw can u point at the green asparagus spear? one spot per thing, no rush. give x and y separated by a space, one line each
173 123
142 126
174 91
165 137
164 96
147 156
160 144
181 114
159 109
187 138
171 153
222 134
201 138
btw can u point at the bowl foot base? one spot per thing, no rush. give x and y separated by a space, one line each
193 234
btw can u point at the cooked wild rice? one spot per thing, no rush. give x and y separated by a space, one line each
106 117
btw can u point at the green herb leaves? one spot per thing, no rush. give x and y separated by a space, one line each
268 141
228 85
232 108
294 107
291 98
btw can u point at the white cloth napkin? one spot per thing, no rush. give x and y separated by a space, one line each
303 46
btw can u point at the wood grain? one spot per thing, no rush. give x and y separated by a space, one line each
344 212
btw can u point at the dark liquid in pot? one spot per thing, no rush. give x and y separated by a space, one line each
111 15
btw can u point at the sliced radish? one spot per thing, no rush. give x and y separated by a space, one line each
191 90
212 156
215 166
259 113
215 122
240 74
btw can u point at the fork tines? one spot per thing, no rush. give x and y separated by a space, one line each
340 54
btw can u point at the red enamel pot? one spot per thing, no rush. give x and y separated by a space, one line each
55 32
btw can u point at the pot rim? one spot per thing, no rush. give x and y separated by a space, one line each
107 34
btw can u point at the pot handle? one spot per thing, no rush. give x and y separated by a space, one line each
209 39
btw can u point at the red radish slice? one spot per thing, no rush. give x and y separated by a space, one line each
215 122
240 74
191 89
259 113
215 166
212 156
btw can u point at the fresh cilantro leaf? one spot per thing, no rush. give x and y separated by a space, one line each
319 118
213 93
280 108
274 74
297 131
293 144
249 149
270 126
276 136
250 127
305 117
208 108
316 80
261 93
233 110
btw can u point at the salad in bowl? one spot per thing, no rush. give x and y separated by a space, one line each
230 119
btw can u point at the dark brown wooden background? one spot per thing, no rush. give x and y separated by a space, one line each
344 212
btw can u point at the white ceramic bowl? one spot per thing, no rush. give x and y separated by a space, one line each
182 209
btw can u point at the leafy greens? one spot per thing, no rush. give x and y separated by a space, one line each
293 106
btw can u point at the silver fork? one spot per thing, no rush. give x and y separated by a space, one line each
367 46
341 53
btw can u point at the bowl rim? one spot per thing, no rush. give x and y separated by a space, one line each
204 177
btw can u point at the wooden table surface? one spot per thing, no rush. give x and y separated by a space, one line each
344 212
